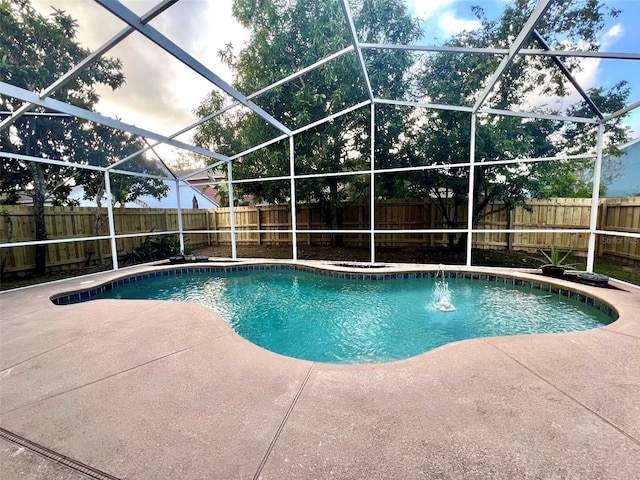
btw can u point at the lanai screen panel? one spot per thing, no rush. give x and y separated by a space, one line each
341 53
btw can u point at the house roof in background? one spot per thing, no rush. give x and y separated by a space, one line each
187 193
630 143
207 175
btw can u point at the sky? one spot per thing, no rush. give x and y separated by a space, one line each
160 93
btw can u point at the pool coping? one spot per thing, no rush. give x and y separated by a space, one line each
525 279
526 406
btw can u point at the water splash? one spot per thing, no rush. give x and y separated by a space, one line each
441 294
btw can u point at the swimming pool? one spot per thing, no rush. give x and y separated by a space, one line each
348 318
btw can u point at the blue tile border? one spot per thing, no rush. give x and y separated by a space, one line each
90 293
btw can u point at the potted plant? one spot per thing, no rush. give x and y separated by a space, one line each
553 263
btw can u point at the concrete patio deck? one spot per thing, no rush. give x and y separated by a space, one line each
165 390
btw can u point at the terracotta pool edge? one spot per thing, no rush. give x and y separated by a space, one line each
595 297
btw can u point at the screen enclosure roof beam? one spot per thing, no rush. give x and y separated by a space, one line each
502 51
127 16
84 166
540 10
622 111
356 43
217 113
565 71
280 138
88 60
490 111
28 96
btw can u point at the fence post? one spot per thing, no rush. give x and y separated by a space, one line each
208 228
308 223
215 227
602 225
179 217
112 226
258 225
509 227
595 198
432 222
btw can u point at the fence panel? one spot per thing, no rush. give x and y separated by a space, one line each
560 213
197 219
497 218
60 222
17 224
623 215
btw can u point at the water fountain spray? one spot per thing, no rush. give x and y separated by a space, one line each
441 293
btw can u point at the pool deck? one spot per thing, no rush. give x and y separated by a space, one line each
166 390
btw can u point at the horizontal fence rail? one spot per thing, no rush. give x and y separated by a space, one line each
411 223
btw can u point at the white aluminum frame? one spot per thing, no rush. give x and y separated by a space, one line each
140 25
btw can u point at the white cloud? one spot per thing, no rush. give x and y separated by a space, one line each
160 92
451 25
442 19
611 35
588 75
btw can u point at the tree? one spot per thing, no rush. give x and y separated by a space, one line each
36 50
186 161
289 36
442 137
574 178
108 146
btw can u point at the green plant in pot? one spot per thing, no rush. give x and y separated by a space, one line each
553 263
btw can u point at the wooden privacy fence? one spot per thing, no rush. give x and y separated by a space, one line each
619 214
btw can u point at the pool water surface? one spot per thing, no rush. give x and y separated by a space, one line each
326 319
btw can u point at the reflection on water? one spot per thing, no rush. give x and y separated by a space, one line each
347 321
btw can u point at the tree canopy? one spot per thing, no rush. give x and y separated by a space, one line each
289 36
36 51
442 137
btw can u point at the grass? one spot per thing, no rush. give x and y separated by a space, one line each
628 273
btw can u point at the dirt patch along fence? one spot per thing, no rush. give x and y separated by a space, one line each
271 224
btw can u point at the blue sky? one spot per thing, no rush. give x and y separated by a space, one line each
444 18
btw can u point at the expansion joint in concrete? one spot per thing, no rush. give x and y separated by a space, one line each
625 334
283 423
107 377
38 355
70 463
569 396
79 337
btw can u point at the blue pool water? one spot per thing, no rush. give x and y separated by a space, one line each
327 319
